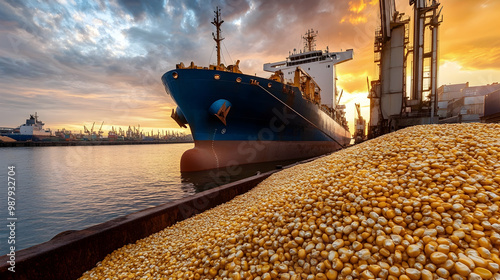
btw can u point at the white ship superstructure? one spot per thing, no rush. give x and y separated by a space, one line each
314 62
31 130
34 127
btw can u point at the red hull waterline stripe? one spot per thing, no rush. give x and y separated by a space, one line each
217 154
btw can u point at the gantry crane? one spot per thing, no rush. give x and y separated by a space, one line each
391 106
100 132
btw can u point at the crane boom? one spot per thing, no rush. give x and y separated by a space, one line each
342 91
358 109
100 131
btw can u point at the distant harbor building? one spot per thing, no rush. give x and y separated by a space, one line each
492 108
447 93
460 103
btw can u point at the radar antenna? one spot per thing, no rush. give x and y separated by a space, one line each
310 40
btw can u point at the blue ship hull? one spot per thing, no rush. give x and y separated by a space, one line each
24 137
266 120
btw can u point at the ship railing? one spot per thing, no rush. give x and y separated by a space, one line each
230 68
303 61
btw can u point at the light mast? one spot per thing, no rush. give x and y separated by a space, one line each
310 40
217 23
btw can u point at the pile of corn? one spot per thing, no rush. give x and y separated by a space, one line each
420 203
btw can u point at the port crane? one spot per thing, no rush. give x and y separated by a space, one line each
392 106
359 133
133 132
89 133
100 132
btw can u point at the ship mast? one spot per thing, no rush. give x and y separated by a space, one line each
217 23
310 40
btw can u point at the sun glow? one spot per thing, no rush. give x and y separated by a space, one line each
91 61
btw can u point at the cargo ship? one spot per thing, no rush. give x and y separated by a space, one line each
32 130
238 119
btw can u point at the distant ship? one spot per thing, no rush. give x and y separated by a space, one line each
238 119
32 130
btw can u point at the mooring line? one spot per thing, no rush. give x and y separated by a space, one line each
300 115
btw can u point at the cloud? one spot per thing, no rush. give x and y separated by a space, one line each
110 55
113 53
139 9
452 72
468 36
357 7
358 12
354 19
22 69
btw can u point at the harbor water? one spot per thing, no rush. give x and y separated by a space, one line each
71 188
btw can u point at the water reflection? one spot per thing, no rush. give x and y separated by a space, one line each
72 188
208 179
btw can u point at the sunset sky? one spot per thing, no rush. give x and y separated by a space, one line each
78 62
